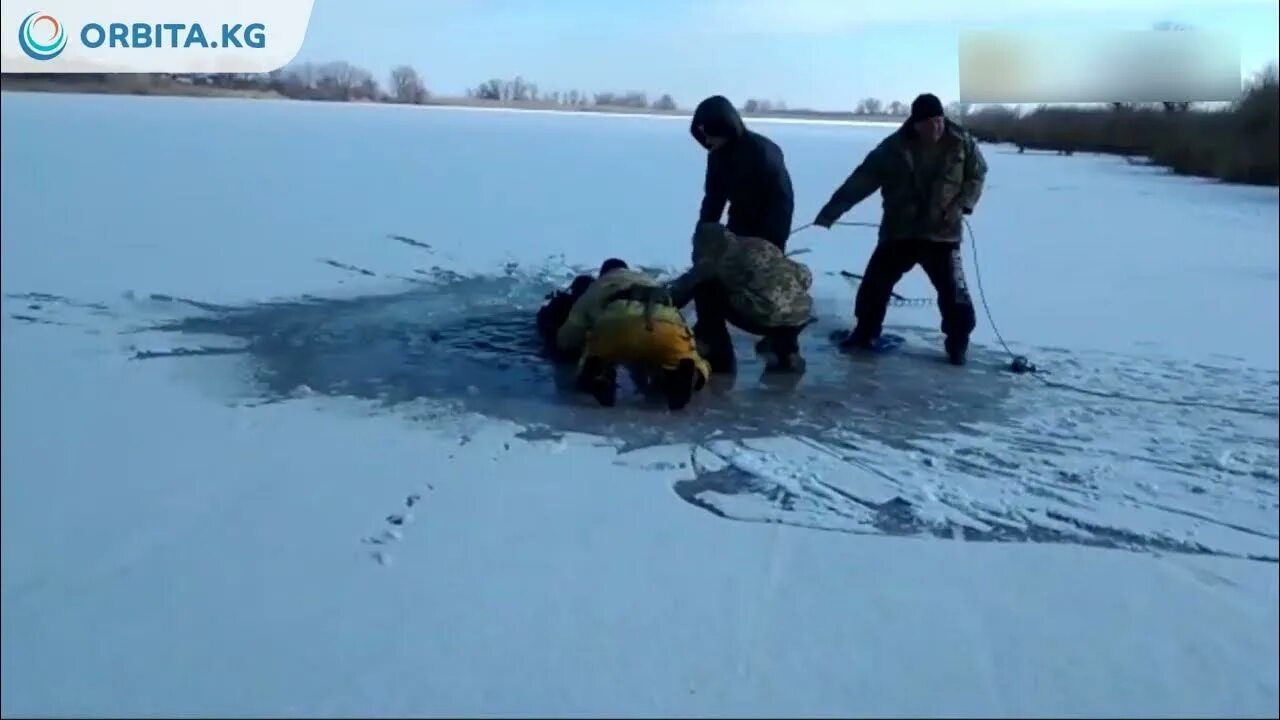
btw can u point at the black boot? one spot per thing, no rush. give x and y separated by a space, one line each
681 383
789 363
782 351
957 348
857 340
600 380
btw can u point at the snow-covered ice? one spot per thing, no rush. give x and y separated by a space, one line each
276 440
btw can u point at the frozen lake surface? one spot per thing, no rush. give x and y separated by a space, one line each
277 439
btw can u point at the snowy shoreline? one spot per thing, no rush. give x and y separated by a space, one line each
659 116
467 107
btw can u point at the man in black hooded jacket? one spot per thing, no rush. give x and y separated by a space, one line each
746 170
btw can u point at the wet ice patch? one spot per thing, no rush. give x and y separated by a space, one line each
898 445
466 343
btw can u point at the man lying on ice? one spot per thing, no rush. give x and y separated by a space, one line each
625 317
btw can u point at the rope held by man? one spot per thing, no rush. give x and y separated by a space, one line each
895 299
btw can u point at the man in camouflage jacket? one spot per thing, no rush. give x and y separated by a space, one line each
749 282
930 174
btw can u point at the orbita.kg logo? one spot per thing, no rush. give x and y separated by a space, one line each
41 36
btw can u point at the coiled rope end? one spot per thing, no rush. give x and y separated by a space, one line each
1020 365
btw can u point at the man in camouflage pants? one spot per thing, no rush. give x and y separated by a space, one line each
749 282
930 173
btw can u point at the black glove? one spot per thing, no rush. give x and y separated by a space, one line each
824 222
954 214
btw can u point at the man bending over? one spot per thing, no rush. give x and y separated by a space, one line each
627 318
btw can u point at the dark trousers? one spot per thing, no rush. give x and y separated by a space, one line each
940 261
715 314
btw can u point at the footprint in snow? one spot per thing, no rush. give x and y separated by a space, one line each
393 532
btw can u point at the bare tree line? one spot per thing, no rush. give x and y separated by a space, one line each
342 81
1239 143
519 90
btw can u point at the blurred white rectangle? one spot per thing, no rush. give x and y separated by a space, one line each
1091 67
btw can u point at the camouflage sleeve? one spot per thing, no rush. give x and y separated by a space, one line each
864 180
682 288
975 175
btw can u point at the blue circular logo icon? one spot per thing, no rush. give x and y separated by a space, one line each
41 36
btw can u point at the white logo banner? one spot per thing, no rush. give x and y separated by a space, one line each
151 36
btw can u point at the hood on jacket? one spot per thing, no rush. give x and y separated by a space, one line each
719 117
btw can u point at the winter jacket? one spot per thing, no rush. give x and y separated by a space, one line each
919 201
748 172
603 295
764 285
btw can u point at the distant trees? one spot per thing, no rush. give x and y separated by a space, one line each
1237 144
490 90
874 106
754 105
631 99
666 102
407 86
516 89
342 81
519 90
869 106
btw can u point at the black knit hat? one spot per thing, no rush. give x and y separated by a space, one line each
612 264
926 106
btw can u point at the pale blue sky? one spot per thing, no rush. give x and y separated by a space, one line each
810 53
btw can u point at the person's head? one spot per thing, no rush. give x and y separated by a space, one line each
928 119
716 122
612 264
709 140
